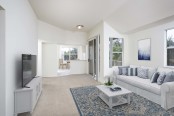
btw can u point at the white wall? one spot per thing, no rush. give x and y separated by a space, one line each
53 34
50 60
39 58
78 67
108 33
58 55
21 37
157 35
2 62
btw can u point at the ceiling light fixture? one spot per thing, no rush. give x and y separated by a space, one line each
79 26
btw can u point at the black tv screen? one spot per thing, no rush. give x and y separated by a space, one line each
29 65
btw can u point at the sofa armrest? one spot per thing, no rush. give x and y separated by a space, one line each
167 87
115 73
167 95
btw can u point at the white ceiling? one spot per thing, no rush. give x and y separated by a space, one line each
123 15
137 14
69 13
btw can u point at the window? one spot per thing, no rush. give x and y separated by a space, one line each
69 53
170 47
116 52
73 53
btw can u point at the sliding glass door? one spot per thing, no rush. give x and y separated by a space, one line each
93 57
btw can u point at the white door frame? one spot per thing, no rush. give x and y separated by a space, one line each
97 38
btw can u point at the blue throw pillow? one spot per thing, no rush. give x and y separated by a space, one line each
161 78
154 77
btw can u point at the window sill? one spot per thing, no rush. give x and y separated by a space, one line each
169 67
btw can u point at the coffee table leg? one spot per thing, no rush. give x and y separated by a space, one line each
128 99
110 102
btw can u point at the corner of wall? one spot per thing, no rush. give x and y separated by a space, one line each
2 62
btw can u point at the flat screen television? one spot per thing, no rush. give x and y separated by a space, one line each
29 64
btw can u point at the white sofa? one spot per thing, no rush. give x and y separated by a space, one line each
160 94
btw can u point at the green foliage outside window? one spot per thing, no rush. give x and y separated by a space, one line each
170 47
117 48
73 50
117 45
170 41
117 56
71 54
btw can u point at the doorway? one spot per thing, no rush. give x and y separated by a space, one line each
94 57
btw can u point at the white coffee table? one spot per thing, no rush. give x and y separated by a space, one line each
114 98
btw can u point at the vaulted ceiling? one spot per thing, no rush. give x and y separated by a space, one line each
125 16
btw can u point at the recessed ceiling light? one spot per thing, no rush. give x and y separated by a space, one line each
79 26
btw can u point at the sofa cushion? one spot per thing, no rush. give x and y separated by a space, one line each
134 66
141 83
151 71
166 70
142 73
169 77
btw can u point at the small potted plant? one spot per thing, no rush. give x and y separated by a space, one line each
108 82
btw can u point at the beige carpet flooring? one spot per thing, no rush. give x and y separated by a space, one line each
56 98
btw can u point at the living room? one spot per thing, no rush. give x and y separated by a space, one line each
28 26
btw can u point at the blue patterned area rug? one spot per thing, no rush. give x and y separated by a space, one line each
89 104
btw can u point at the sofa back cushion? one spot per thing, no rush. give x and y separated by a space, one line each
151 71
134 66
169 77
166 70
142 73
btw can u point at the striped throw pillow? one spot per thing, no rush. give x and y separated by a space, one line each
132 72
123 70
